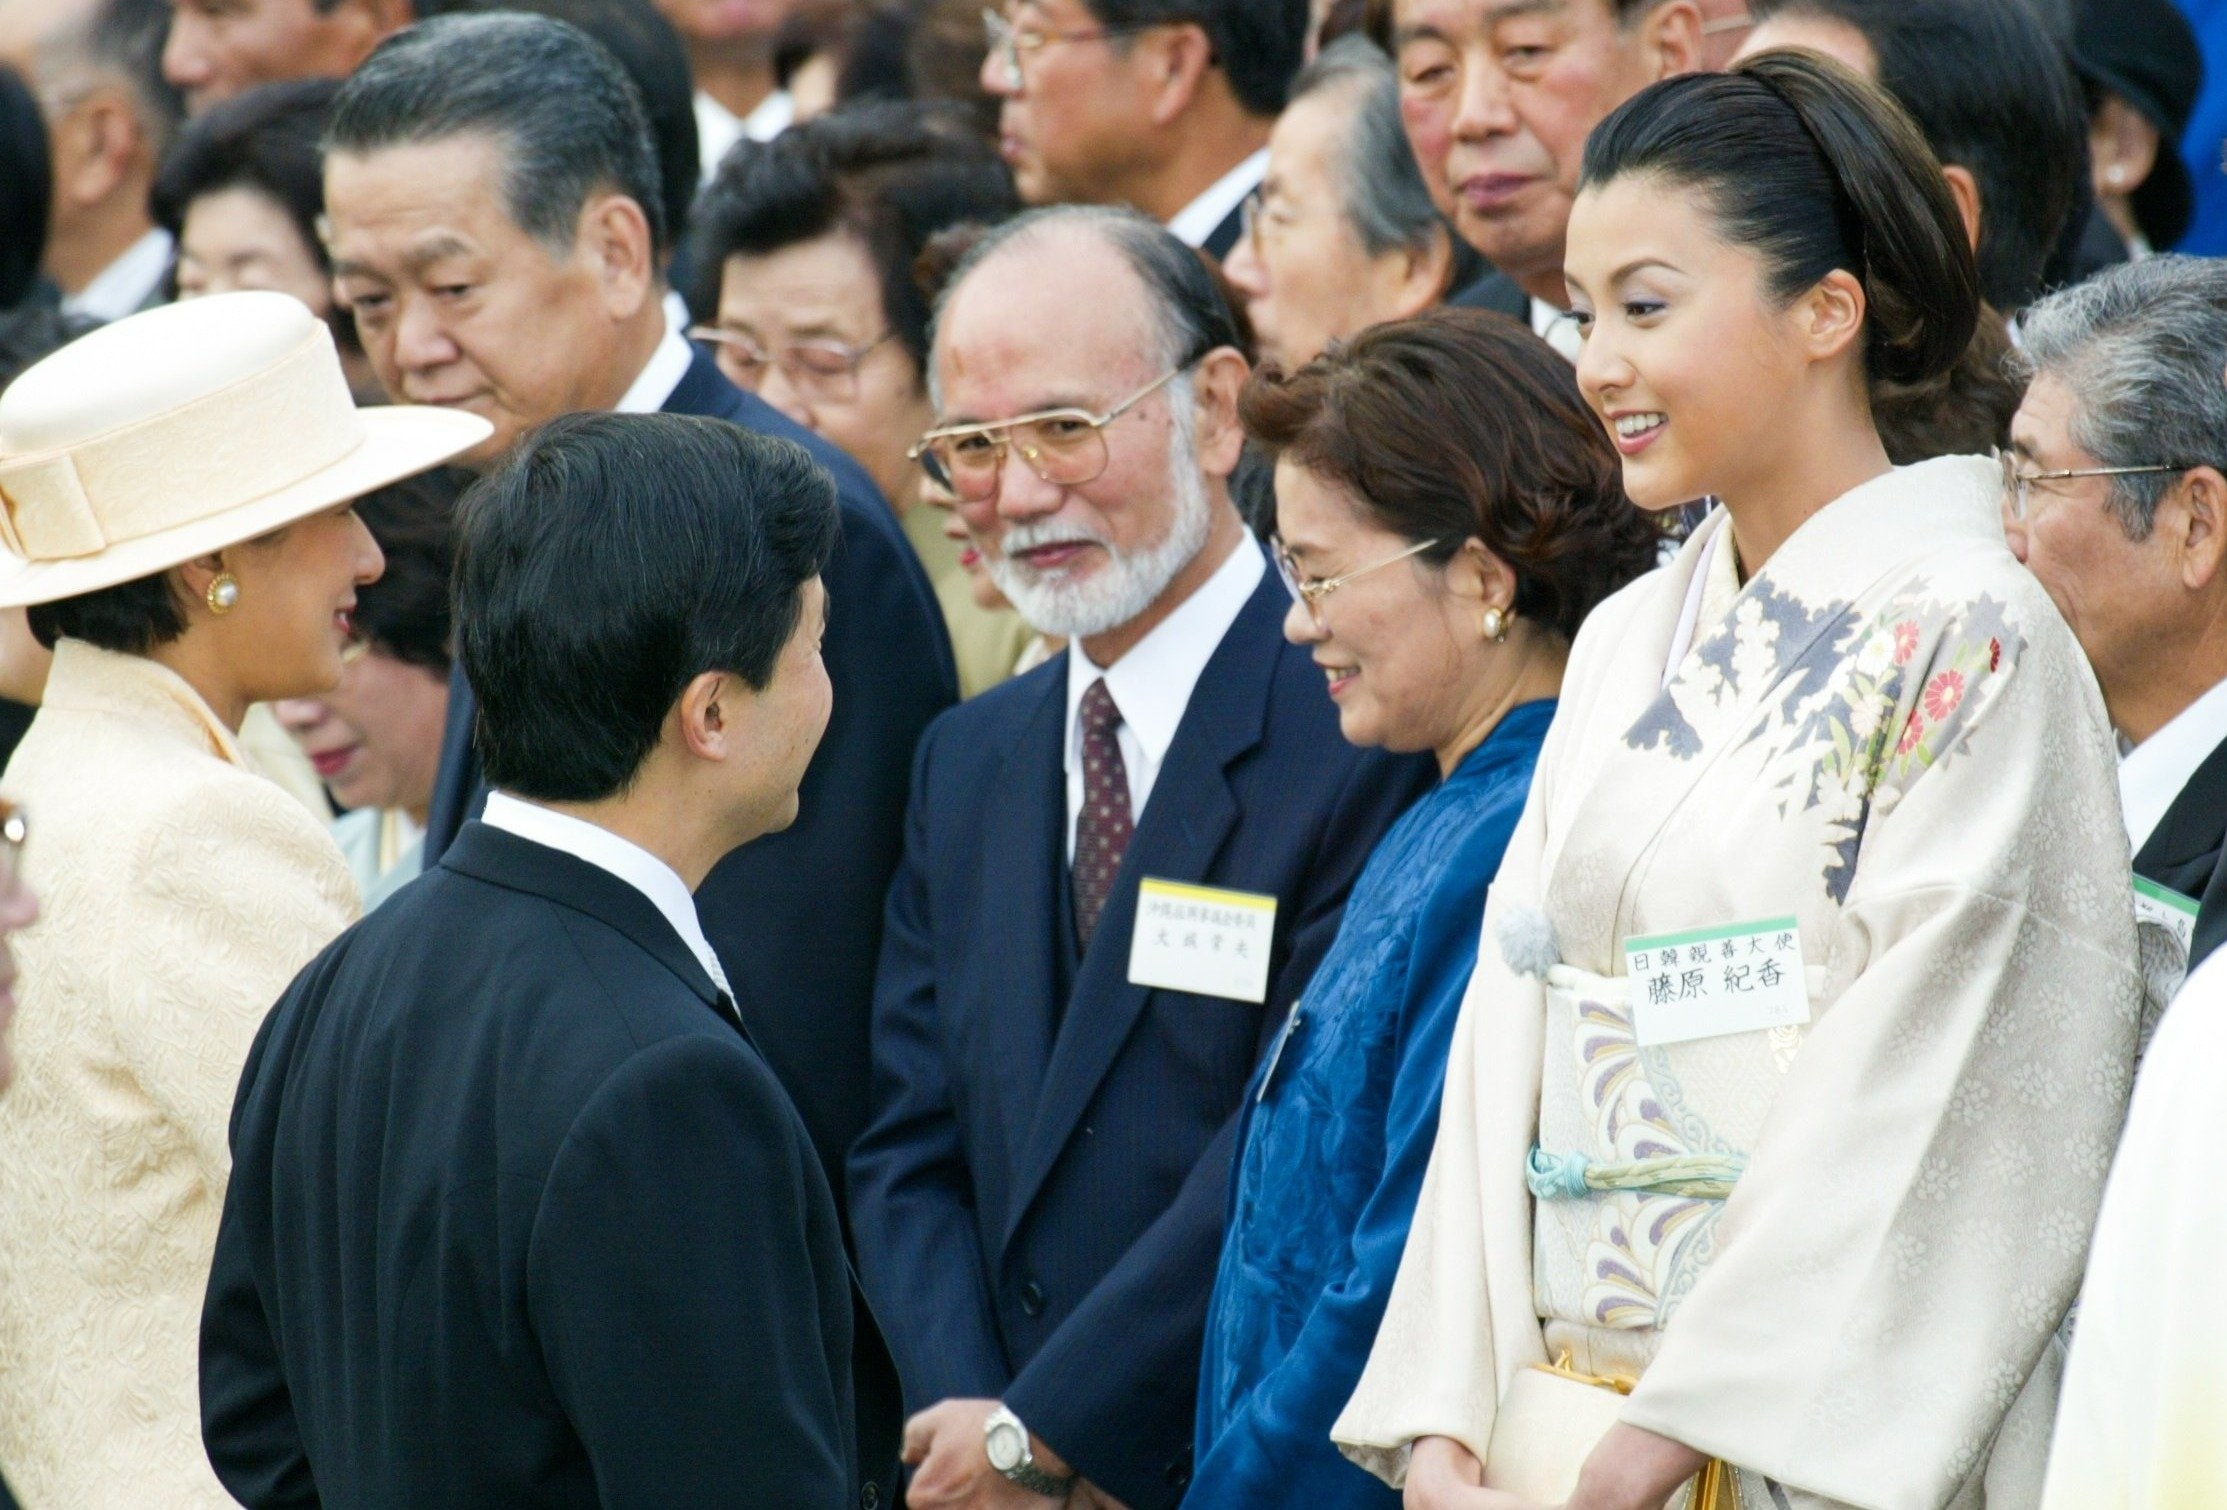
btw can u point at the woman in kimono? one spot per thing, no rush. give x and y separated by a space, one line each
1440 602
1805 1015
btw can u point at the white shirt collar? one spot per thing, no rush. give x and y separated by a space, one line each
1152 684
718 128
1558 328
659 376
1196 221
125 285
2152 774
623 858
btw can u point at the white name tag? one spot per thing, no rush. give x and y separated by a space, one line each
1202 939
2165 908
1712 981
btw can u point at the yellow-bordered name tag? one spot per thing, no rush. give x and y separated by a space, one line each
1202 939
2165 908
1712 981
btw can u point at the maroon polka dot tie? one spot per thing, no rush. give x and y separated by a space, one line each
1102 827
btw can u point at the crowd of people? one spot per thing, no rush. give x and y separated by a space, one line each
1112 753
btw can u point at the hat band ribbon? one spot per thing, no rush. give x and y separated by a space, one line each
222 451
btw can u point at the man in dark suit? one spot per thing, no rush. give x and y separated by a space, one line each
2118 503
493 197
519 1215
1171 118
1120 870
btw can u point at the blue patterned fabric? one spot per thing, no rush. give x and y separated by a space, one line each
1338 1129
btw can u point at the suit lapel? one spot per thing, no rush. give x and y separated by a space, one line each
2191 829
1024 871
1182 830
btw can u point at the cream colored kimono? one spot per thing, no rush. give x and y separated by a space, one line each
1890 735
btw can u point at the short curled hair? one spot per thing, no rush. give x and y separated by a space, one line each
1463 425
891 174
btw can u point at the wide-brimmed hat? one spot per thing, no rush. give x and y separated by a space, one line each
2145 52
186 429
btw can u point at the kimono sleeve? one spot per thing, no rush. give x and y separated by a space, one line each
1908 1235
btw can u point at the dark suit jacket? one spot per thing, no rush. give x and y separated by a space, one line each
1038 1199
796 916
519 1217
1497 292
2184 851
1222 239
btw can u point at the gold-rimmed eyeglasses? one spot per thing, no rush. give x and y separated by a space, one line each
1009 43
1309 592
2017 482
824 368
1065 447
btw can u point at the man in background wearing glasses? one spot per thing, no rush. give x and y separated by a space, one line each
1163 105
1120 870
2114 497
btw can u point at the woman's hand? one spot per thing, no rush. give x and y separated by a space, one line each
1633 1469
1444 1475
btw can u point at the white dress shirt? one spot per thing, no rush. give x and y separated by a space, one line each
718 128
1196 221
1151 685
2152 774
125 285
659 376
623 858
1558 328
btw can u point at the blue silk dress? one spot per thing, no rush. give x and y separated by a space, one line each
1335 1135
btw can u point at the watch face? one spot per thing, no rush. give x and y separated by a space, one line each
1005 1444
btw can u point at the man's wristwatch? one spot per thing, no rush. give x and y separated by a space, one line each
1006 1441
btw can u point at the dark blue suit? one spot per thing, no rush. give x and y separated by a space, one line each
519 1217
796 917
1038 1200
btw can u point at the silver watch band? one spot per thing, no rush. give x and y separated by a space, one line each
1036 1481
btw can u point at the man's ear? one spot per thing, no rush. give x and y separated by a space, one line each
710 712
614 236
1965 190
2203 493
95 145
1173 61
1671 36
1215 382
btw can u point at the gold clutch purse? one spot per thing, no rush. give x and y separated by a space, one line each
1551 1419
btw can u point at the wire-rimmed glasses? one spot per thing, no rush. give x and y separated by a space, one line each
1065 447
1309 592
2016 482
823 368
1009 43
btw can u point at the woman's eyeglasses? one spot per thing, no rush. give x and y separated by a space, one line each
826 369
1309 592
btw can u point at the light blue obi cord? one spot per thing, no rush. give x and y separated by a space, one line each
1570 1177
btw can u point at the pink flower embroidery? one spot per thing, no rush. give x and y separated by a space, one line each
1994 654
1912 732
1905 641
1943 693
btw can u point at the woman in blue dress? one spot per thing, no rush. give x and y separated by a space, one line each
1448 512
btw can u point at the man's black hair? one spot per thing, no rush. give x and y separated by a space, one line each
608 563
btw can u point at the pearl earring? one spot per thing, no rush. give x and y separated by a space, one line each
224 593
1495 624
2115 176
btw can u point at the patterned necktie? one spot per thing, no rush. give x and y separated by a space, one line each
1103 826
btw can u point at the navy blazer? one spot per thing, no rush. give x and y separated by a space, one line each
1038 1199
796 916
520 1217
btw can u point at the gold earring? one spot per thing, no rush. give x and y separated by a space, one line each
1495 625
224 593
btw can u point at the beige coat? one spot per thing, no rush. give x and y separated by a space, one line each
179 893
1890 738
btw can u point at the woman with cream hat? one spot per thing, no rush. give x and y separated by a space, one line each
175 509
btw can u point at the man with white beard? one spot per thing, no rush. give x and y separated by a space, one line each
1120 870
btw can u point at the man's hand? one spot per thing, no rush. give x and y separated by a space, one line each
953 1472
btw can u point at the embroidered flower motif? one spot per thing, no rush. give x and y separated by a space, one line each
1943 693
1994 655
1912 731
1905 641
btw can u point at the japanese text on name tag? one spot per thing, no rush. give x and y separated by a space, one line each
1202 939
1734 979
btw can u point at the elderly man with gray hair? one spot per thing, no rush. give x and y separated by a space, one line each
1342 234
2113 495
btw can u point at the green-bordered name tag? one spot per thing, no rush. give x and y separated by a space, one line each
1711 981
2163 907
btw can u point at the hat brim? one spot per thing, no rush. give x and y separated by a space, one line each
398 441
